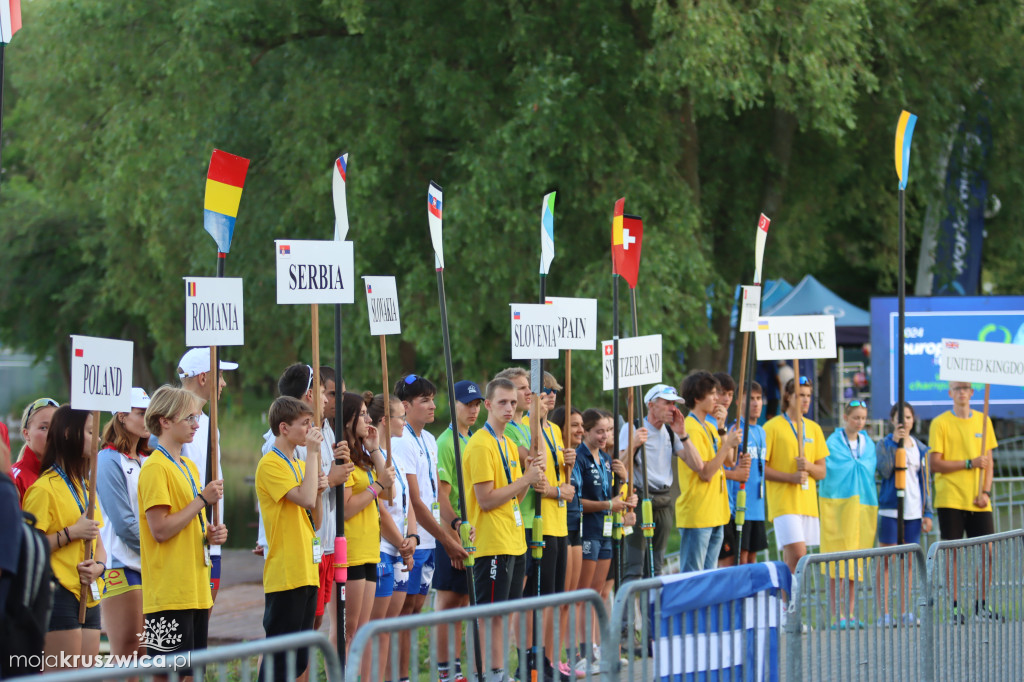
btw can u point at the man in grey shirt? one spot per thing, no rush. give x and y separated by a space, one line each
663 434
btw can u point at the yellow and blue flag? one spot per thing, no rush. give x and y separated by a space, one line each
904 134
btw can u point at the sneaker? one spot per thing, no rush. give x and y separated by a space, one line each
569 671
957 616
841 625
986 613
581 667
887 621
910 620
854 624
559 675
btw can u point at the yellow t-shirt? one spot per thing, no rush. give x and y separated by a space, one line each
700 504
363 529
782 446
496 530
52 503
290 532
555 516
958 440
174 572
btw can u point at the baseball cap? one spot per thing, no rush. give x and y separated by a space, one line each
467 391
663 391
139 398
197 361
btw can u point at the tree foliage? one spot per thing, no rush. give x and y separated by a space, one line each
702 114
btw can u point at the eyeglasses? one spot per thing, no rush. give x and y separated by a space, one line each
411 379
192 419
38 405
548 391
398 416
858 403
962 389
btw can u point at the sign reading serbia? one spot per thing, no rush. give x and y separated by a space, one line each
576 322
213 312
314 271
534 332
639 361
101 374
981 362
382 305
796 337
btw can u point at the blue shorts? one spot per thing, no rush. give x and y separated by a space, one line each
598 548
215 572
887 531
388 575
422 571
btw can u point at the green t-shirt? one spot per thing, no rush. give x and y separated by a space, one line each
519 433
446 463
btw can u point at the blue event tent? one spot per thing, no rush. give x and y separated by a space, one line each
811 297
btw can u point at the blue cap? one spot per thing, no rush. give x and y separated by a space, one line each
467 391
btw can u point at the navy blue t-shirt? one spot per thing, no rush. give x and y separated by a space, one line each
596 486
10 536
574 509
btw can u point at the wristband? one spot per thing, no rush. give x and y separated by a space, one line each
609 505
721 432
559 492
417 537
103 565
684 438
372 491
67 534
455 521
987 493
968 464
205 503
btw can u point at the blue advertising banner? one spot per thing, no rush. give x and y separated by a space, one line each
998 319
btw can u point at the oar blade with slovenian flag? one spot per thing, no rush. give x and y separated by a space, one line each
224 182
547 232
340 182
627 237
10 19
435 197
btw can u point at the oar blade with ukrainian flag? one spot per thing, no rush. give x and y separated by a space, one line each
904 135
224 182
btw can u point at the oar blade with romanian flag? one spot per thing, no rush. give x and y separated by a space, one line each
224 182
627 237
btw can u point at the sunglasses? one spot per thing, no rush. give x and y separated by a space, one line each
38 405
858 403
804 381
411 379
309 384
548 391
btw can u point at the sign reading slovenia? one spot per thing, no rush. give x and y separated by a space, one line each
534 331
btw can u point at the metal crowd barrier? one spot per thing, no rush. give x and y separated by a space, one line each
230 662
1008 502
722 624
977 593
502 627
860 615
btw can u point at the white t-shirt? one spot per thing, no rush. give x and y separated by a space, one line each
419 455
659 456
196 451
399 511
912 502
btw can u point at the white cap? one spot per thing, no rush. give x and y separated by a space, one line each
139 398
197 361
663 391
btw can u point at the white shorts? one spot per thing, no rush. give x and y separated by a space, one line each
790 528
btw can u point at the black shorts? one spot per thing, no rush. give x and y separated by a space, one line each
191 624
284 612
65 612
552 567
755 538
953 523
499 578
367 572
446 578
575 538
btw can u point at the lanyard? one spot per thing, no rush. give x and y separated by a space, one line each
606 484
714 443
401 479
287 461
67 481
793 429
501 451
422 445
195 491
462 439
519 428
856 452
551 448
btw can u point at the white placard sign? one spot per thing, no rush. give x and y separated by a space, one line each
534 336
639 361
382 305
213 312
796 337
750 308
101 374
577 322
314 271
981 362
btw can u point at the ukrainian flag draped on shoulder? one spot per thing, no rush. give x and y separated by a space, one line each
848 498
